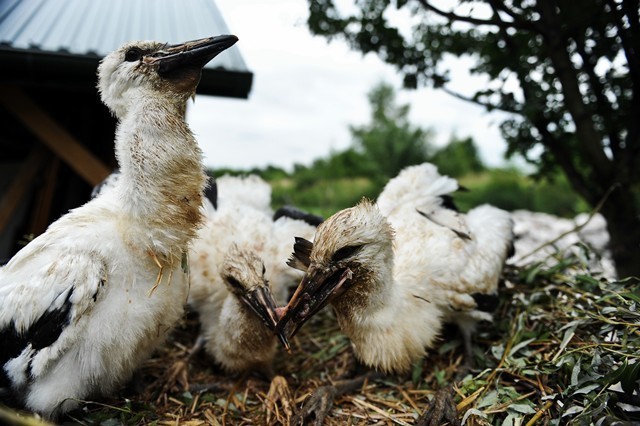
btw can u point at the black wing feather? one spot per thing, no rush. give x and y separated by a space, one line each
211 192
42 333
486 302
298 214
300 258
449 203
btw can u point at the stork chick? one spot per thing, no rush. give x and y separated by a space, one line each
379 293
446 266
242 219
246 342
82 305
468 250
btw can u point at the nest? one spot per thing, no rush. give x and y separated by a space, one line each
563 349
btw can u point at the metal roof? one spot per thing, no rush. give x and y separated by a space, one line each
61 40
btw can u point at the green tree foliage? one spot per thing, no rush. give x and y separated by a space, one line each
568 72
458 158
389 142
509 189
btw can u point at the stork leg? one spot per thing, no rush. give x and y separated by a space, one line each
442 408
279 403
468 349
319 404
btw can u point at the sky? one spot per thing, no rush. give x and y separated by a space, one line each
307 92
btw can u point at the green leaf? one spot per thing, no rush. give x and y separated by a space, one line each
587 389
587 280
575 372
489 399
573 410
520 345
522 408
630 378
633 296
615 376
416 373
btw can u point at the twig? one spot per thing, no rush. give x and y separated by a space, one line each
539 414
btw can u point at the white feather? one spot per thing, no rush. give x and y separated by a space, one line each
456 267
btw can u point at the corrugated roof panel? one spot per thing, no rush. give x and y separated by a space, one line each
98 27
16 20
87 29
76 22
69 15
6 6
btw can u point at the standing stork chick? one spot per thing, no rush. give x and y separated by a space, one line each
82 305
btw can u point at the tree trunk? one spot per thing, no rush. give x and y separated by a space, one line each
623 224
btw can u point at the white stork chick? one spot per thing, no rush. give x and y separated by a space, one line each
457 259
243 218
243 342
445 266
468 251
82 305
376 283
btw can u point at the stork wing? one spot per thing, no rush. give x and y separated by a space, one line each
44 292
449 219
298 214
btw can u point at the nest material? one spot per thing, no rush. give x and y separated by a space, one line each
564 349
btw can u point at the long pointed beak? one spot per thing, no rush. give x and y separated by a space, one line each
317 289
195 53
262 303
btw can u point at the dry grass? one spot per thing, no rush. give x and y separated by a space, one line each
563 350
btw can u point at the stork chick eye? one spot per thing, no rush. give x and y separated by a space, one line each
133 54
345 252
233 282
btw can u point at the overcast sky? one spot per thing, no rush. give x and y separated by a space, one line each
307 92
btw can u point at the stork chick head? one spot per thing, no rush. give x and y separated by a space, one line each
243 273
351 251
150 67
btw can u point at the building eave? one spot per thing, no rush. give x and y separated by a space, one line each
32 67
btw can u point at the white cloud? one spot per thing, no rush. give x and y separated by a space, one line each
307 92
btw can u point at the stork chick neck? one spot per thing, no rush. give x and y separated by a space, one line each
389 327
161 165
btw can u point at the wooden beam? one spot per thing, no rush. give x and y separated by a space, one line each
42 209
20 185
54 136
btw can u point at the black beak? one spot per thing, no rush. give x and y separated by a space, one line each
193 54
262 303
317 288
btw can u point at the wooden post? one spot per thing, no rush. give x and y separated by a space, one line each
42 209
54 136
16 191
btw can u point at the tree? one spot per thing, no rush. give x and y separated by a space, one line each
568 72
389 142
458 157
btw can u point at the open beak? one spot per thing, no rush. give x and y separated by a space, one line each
262 303
317 288
194 54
